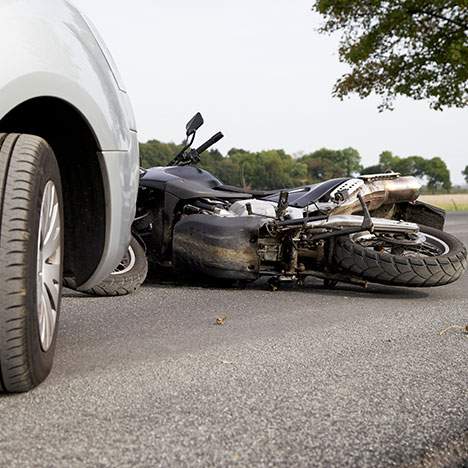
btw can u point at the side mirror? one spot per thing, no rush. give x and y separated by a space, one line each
194 124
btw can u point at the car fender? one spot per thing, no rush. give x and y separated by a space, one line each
48 49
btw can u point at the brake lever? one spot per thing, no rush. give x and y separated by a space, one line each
191 157
187 158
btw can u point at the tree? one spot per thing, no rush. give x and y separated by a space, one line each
267 169
377 169
437 174
465 174
413 48
327 163
434 170
156 153
412 165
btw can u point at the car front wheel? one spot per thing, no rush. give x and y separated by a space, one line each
31 260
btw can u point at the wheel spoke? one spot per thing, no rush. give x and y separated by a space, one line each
47 205
45 320
428 245
49 258
50 316
41 314
127 263
51 277
51 240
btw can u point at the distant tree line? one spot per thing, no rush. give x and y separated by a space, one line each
271 169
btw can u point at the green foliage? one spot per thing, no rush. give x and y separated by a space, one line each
434 170
437 174
412 165
465 174
265 170
376 169
413 48
326 164
155 153
273 169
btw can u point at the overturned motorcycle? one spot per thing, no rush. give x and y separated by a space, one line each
355 230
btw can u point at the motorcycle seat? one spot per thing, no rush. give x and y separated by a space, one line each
301 197
254 193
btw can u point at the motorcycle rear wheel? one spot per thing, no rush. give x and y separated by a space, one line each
441 260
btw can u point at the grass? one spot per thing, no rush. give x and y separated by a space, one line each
449 201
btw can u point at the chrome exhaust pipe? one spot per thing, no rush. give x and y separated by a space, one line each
353 221
380 190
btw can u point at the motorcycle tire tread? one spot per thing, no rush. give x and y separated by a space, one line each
397 270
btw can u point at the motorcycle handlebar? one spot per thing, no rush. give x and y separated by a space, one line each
214 139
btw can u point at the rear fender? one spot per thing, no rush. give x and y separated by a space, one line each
421 213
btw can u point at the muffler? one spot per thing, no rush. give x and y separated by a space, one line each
354 221
381 189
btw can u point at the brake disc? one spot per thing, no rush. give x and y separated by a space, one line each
387 238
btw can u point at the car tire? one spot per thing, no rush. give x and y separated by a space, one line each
127 277
31 259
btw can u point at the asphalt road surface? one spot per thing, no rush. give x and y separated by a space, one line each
305 377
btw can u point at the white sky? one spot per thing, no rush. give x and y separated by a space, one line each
259 71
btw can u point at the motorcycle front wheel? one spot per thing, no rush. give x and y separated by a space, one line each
440 259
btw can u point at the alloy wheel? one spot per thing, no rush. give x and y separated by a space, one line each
49 259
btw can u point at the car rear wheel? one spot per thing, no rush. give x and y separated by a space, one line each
31 259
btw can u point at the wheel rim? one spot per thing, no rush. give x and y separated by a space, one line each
424 245
127 263
49 259
444 248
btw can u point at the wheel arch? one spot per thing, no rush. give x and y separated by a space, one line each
76 148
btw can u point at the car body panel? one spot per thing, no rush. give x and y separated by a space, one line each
48 49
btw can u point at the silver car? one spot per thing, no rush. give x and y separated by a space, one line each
68 175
